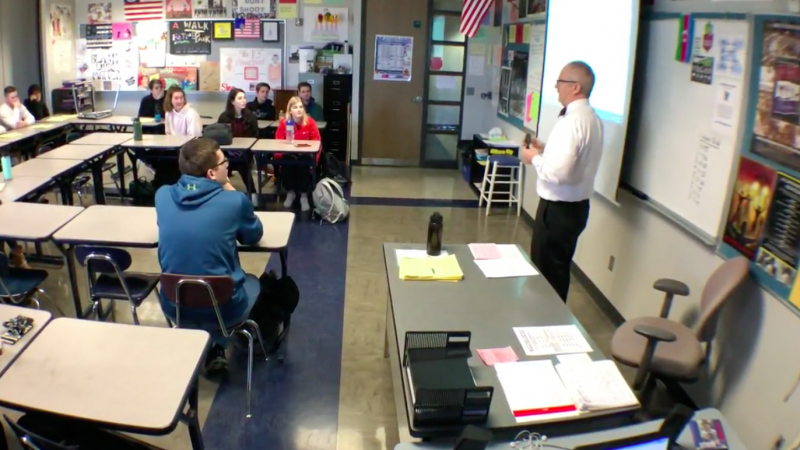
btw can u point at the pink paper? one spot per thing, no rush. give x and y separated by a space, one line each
485 251
492 356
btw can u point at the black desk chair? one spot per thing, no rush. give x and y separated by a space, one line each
32 441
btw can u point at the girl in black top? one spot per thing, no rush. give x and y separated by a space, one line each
242 121
153 104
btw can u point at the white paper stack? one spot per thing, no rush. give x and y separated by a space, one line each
534 391
501 261
596 385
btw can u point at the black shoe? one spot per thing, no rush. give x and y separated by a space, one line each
216 360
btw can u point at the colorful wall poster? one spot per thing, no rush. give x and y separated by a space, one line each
178 9
99 13
184 77
122 31
323 24
99 36
533 85
113 67
209 76
780 246
211 9
749 204
244 68
151 39
190 37
393 58
61 21
252 9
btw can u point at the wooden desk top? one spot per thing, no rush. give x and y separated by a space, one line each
75 152
103 139
123 377
11 352
240 144
18 188
120 226
282 146
159 141
34 221
277 230
41 167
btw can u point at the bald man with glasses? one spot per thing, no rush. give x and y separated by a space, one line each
565 168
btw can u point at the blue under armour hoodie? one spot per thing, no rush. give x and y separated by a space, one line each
198 226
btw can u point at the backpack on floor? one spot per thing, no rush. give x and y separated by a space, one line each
329 201
276 302
334 169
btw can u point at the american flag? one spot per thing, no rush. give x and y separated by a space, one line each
472 16
139 10
248 29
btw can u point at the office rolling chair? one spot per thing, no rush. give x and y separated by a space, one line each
662 348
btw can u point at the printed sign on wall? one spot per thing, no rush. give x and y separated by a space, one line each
190 37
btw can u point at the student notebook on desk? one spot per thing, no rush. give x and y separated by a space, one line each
431 269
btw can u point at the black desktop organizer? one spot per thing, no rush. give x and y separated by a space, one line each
440 380
74 96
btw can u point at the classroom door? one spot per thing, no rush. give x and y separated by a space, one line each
392 115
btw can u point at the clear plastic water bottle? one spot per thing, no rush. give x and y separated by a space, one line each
290 130
6 164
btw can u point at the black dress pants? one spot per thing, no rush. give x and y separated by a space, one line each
297 176
555 236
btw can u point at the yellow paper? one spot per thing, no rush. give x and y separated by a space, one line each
287 11
222 30
444 268
10 135
526 34
61 118
147 120
312 2
794 296
41 126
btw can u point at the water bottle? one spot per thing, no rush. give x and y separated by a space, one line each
281 115
137 129
435 230
6 163
158 118
290 131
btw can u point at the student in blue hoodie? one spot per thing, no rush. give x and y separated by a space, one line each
200 220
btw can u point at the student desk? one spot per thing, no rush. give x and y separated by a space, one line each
321 124
489 308
106 225
120 377
34 222
154 147
24 188
206 121
103 139
685 440
277 230
63 171
94 155
37 130
264 150
12 352
115 123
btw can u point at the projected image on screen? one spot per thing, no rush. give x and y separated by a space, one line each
603 34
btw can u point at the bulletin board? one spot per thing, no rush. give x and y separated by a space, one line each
763 220
521 72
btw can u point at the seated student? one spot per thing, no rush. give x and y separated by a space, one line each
200 219
243 123
312 108
35 104
297 178
180 118
153 103
261 106
13 114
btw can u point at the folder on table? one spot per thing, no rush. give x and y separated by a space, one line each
445 268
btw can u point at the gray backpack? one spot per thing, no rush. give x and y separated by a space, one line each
329 202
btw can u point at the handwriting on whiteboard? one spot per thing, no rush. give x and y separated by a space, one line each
705 149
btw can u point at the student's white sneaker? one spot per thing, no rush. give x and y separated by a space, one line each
254 199
304 206
290 196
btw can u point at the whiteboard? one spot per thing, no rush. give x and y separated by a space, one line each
683 152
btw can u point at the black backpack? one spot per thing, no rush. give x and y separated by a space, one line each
276 302
219 132
334 169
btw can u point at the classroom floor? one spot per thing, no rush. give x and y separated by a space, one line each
334 389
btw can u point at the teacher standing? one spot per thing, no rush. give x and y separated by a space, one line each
565 169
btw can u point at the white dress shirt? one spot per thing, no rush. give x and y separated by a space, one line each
568 166
9 117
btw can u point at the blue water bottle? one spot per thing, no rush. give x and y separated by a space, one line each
290 130
6 163
158 118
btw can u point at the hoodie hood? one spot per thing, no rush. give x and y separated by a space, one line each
194 191
184 111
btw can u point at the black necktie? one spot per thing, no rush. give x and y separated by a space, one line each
563 112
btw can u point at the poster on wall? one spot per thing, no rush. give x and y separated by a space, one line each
393 56
61 21
122 31
210 9
209 76
749 204
183 77
533 88
324 24
776 135
143 10
62 56
114 67
99 13
178 9
151 39
248 29
780 246
251 9
81 58
243 68
99 36
190 37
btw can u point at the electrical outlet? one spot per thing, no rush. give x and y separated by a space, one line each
611 261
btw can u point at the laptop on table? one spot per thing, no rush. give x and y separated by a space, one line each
97 115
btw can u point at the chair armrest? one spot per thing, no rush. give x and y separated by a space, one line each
655 333
671 286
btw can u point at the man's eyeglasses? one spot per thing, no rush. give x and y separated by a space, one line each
565 81
224 161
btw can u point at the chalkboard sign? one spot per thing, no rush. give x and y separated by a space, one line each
99 35
190 37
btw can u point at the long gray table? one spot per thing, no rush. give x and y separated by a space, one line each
489 309
685 440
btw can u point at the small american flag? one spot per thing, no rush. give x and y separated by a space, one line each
472 16
248 29
139 10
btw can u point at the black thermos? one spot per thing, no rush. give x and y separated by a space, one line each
435 230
